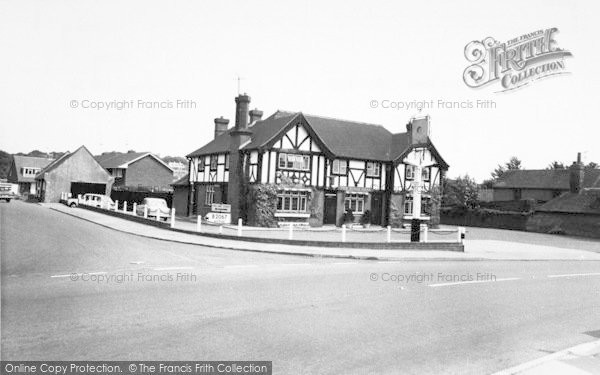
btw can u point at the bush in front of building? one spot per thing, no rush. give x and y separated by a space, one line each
262 205
482 217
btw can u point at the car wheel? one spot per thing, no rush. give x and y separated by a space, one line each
73 205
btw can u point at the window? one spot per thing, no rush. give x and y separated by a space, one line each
409 173
373 169
213 162
426 174
291 161
226 162
355 202
408 205
291 201
339 167
210 195
29 172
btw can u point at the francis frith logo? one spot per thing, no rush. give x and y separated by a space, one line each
514 63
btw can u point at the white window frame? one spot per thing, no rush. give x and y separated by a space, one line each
209 198
292 201
373 169
296 162
356 202
339 167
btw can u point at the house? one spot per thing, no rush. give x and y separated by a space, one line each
576 212
541 185
313 169
76 173
137 169
23 170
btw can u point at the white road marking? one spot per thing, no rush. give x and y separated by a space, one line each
474 282
576 274
172 268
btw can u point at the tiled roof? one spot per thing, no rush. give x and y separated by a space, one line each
117 159
554 179
342 138
586 202
29 162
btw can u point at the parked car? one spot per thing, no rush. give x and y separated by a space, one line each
5 192
94 200
155 206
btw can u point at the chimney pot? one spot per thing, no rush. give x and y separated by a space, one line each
255 115
220 126
576 175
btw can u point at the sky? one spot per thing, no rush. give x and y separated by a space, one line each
61 60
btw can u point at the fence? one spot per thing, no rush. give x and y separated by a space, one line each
343 234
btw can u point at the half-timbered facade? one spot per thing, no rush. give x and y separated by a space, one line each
320 167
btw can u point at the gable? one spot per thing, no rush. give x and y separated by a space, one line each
296 138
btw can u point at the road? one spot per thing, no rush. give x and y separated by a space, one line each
307 315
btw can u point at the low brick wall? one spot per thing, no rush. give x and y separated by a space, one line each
122 215
585 225
445 246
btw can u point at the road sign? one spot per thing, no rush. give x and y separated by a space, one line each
218 217
219 207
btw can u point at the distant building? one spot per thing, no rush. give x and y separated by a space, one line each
23 170
137 169
179 169
76 173
180 195
575 212
542 185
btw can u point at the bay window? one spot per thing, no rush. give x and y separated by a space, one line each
355 202
292 201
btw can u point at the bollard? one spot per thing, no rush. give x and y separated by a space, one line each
389 234
221 229
239 229
172 217
463 234
199 224
158 214
459 234
134 209
145 212
425 229
343 232
291 232
116 205
125 206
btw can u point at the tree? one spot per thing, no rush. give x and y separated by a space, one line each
461 192
512 164
556 165
592 165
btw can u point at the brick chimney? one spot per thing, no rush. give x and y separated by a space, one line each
220 126
576 175
255 115
418 130
239 135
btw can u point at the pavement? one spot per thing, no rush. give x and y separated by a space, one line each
74 290
533 247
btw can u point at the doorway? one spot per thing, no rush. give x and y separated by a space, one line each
329 216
